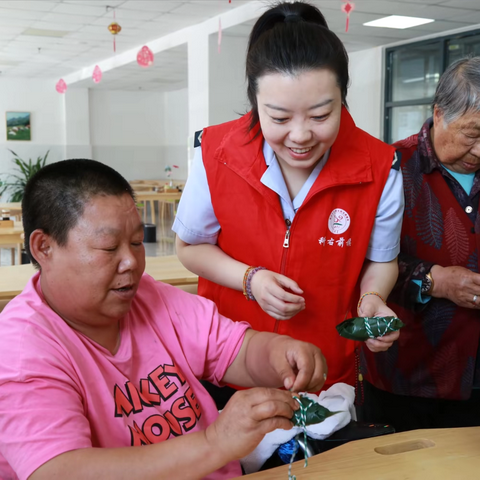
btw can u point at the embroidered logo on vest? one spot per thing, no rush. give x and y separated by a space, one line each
339 221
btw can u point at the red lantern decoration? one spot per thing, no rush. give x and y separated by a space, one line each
97 74
114 28
145 57
61 86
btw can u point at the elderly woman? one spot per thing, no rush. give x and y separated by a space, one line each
431 376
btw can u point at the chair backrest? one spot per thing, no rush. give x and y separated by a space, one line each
189 288
2 304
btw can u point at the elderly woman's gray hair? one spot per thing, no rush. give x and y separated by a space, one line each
458 90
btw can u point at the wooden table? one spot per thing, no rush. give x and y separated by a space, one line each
439 454
145 187
13 236
14 207
160 197
166 269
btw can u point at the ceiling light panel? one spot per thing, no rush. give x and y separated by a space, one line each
69 27
398 21
41 32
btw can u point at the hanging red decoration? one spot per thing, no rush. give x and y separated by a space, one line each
61 86
348 8
97 74
145 57
114 28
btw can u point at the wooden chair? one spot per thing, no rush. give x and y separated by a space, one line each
12 249
4 302
189 288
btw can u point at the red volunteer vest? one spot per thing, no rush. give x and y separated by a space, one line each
328 239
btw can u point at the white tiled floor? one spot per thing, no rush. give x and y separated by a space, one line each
165 244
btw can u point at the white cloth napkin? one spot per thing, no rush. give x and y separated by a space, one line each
338 398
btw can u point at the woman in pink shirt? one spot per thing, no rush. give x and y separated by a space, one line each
97 359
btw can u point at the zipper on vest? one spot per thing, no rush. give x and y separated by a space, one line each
286 240
286 245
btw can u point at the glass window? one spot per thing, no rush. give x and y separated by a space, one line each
407 121
458 48
415 72
412 74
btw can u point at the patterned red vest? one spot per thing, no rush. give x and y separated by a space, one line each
435 355
329 235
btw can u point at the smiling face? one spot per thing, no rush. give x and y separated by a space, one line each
299 115
457 144
91 281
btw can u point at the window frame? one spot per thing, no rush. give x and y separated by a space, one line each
388 103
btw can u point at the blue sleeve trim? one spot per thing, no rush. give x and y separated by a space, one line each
421 298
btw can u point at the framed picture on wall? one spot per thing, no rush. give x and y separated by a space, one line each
18 126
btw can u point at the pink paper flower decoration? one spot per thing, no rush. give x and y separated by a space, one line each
97 74
145 57
61 86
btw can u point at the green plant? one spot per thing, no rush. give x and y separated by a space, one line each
15 183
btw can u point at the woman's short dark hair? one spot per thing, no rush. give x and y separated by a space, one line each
291 38
55 197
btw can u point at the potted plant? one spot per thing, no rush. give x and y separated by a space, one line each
15 183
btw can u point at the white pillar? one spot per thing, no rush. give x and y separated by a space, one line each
77 124
198 83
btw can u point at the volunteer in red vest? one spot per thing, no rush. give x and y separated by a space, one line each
292 214
431 377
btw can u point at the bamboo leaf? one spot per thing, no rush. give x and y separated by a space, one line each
363 328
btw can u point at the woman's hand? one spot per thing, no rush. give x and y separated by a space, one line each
373 306
270 290
458 284
248 416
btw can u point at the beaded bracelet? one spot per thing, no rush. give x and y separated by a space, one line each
364 295
247 281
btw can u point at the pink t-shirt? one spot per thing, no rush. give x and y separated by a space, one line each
60 391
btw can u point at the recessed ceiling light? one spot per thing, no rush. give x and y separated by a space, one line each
398 21
39 32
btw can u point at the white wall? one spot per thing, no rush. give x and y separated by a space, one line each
227 86
126 131
177 139
198 80
77 124
46 107
365 95
139 133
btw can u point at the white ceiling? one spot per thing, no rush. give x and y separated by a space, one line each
86 40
